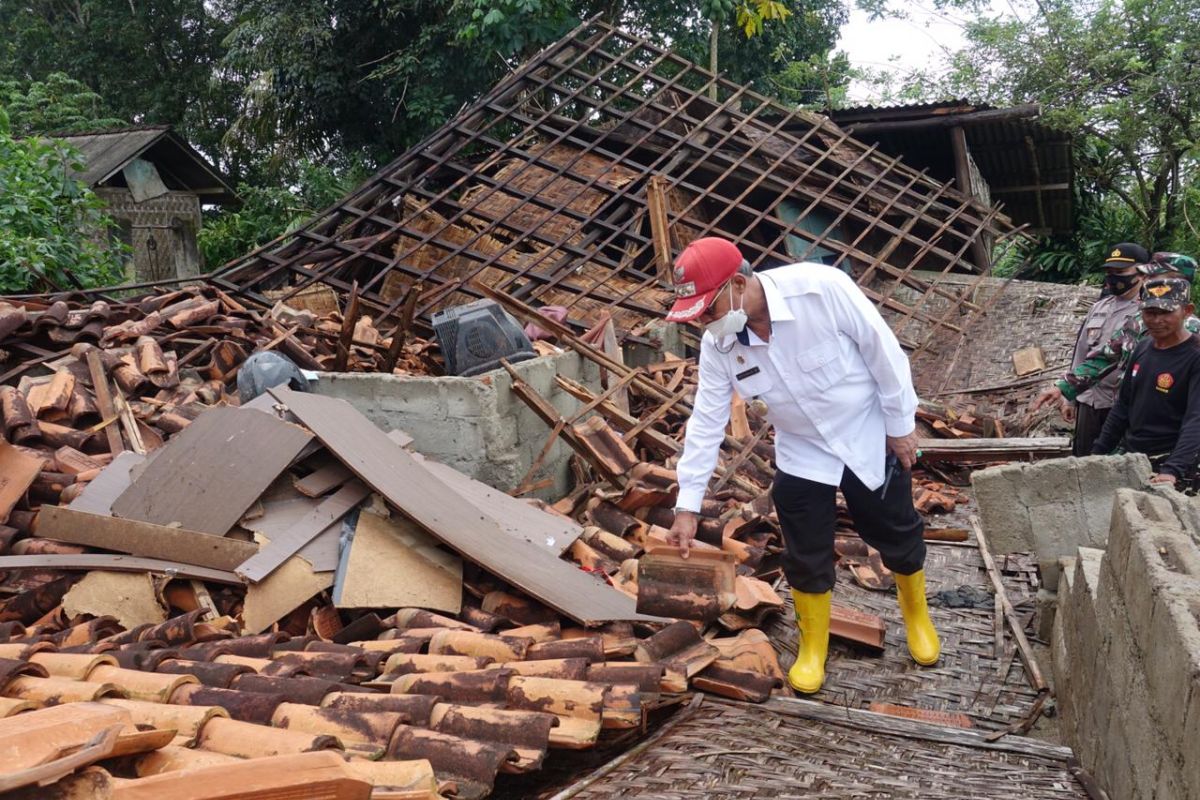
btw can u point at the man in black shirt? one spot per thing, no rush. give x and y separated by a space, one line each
1158 407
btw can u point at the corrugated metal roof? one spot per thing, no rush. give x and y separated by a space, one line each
898 111
106 152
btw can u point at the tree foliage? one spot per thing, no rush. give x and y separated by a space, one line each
1123 75
262 86
59 104
268 211
51 225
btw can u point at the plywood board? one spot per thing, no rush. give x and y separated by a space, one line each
280 593
515 517
17 472
142 538
1028 361
395 564
290 541
131 597
212 471
442 512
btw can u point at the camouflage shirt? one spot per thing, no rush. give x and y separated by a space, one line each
1113 354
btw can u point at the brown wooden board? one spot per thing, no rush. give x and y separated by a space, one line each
212 471
993 449
515 517
288 543
114 563
284 511
441 511
142 538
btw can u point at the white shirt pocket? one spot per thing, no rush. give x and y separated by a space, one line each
822 365
753 385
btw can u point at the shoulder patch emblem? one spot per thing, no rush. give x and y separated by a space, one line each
1158 291
1165 381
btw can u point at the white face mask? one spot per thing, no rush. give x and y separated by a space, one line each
734 321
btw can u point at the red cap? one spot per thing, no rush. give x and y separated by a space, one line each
701 270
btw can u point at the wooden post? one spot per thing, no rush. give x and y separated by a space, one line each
660 231
962 177
342 359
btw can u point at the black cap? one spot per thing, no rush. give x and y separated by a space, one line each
1126 254
1168 293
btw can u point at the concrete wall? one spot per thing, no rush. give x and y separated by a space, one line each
1126 645
1053 507
476 425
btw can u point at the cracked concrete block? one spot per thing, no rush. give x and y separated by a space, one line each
476 425
1048 523
1173 658
1132 511
1054 506
1002 507
1047 608
1170 779
1158 558
1191 755
1099 477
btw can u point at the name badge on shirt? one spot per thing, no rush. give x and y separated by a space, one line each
741 376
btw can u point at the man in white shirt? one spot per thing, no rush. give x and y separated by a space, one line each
804 340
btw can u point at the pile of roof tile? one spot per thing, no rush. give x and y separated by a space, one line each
148 590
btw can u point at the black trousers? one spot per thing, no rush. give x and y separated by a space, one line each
1089 421
808 515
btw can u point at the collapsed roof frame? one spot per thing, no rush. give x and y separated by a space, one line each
615 103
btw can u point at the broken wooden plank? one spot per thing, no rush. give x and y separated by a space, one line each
323 480
415 492
142 538
119 563
212 471
1018 449
284 511
660 227
261 564
394 564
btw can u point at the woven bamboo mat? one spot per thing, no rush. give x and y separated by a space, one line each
970 679
722 750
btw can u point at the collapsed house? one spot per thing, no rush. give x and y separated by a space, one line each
577 177
211 593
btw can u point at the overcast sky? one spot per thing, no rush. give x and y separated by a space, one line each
918 42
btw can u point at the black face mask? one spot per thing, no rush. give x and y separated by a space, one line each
1119 284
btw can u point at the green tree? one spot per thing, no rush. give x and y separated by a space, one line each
53 231
268 211
1124 74
151 62
60 104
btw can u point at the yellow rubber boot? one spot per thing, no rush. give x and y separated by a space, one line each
812 618
923 642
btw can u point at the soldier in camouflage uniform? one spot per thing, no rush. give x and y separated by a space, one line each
1117 351
1117 302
